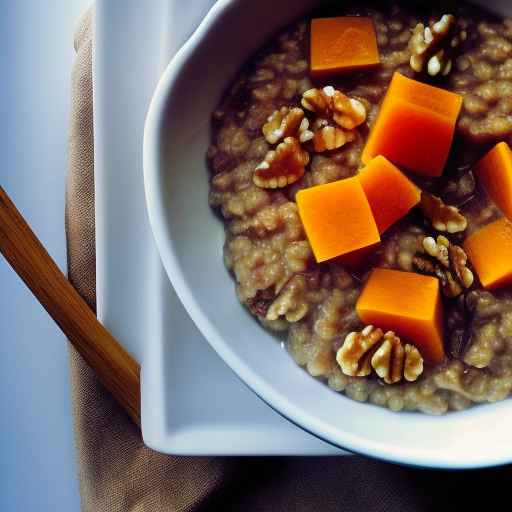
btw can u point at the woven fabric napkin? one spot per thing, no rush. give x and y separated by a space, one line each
117 473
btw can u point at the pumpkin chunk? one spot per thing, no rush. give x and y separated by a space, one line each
490 253
415 126
408 304
337 218
390 193
342 44
494 171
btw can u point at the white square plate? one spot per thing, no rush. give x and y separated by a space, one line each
192 403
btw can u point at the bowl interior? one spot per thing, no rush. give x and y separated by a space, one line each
190 239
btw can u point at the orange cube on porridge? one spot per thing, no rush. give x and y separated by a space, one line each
408 304
490 251
337 218
415 126
346 43
494 172
390 193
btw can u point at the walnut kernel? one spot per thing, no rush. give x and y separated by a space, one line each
458 260
290 302
448 264
331 137
385 353
388 360
287 122
438 249
442 216
348 113
282 166
432 48
354 356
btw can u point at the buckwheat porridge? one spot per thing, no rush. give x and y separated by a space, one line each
289 135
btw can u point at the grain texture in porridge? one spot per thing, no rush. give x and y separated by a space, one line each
270 257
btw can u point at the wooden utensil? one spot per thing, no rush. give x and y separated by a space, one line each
115 368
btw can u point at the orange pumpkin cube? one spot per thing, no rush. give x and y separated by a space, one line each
408 304
390 193
494 172
490 252
342 44
414 127
337 218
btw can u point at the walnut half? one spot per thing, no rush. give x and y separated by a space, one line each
290 302
337 117
432 48
442 216
393 360
385 353
348 113
282 166
328 137
354 356
287 122
448 262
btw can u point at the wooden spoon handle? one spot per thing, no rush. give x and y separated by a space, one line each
116 369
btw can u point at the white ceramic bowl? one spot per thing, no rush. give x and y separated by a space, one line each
190 240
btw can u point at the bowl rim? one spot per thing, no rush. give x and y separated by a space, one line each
292 412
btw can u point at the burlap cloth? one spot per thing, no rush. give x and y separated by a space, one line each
117 473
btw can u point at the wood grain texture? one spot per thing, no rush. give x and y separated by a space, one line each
115 368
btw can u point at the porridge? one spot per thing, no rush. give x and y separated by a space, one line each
403 302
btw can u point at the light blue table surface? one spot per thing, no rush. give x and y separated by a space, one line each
37 459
